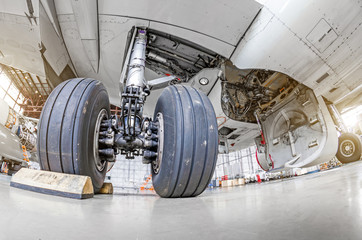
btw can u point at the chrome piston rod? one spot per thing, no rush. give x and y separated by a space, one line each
136 69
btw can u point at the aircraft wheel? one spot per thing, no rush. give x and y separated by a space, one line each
188 142
68 129
349 148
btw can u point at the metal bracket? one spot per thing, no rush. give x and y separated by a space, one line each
161 82
291 138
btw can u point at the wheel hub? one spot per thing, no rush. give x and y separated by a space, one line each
157 163
347 148
98 161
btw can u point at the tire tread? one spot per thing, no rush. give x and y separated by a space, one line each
61 118
187 179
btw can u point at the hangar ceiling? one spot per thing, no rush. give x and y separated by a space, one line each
33 90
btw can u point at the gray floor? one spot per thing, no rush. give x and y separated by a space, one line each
326 205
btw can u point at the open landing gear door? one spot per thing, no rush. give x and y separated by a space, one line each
296 132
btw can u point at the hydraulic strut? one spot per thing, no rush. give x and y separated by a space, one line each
134 135
134 95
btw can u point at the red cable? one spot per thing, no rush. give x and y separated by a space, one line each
222 122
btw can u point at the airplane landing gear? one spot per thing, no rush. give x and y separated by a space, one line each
78 135
349 148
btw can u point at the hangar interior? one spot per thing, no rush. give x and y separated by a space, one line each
286 197
180 119
280 200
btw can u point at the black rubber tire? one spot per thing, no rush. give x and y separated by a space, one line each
190 142
66 129
356 144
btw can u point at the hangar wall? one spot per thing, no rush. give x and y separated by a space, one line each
129 175
238 164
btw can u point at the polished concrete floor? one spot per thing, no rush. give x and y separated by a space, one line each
326 205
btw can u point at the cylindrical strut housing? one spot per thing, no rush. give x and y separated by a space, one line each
137 61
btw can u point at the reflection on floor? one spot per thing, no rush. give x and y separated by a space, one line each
325 205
